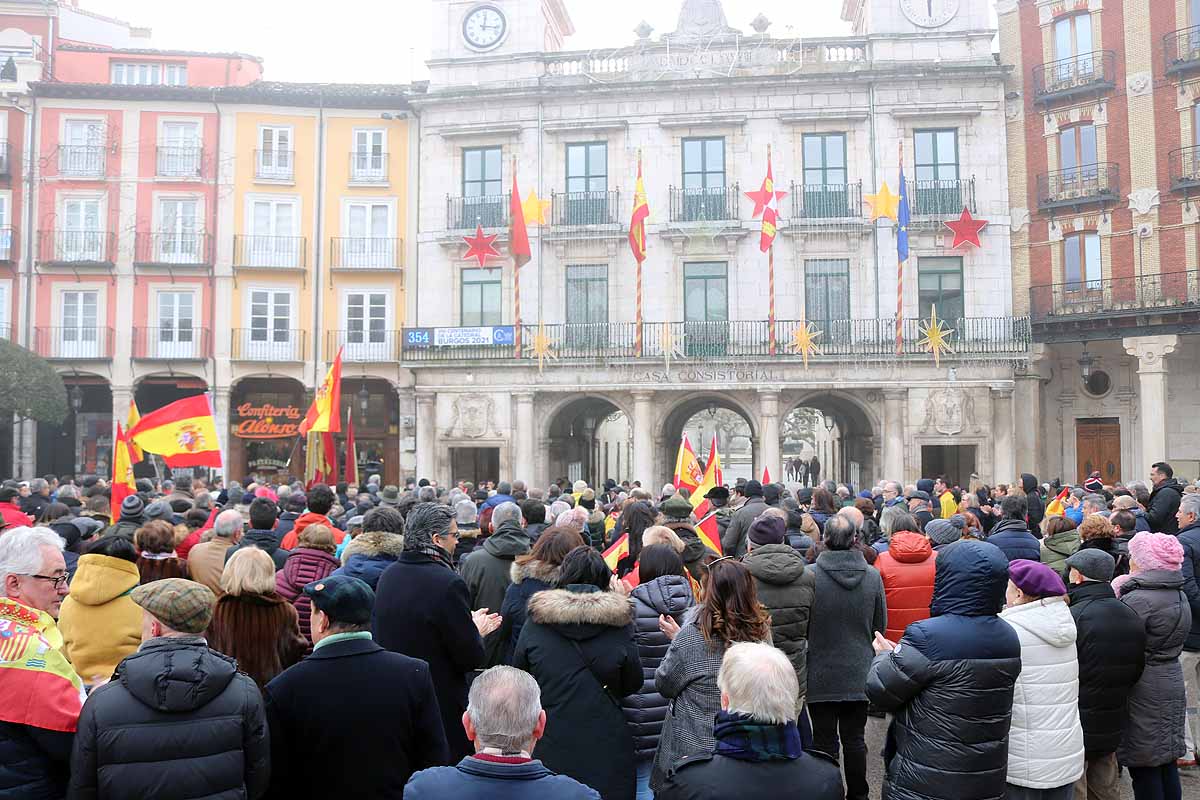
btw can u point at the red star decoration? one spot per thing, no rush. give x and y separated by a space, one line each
480 246
966 229
762 197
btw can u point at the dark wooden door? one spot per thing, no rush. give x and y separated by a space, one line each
475 464
1098 447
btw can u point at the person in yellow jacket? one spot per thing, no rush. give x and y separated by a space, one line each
99 621
949 506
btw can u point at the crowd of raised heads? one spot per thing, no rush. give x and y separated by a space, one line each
263 638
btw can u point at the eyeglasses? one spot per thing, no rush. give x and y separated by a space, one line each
59 581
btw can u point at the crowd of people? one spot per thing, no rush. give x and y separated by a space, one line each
275 640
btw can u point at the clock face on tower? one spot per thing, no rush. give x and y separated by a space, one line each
929 13
484 27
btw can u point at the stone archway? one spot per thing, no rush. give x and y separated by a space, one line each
702 416
834 428
588 438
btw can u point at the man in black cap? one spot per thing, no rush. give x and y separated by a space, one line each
718 498
733 542
918 506
390 715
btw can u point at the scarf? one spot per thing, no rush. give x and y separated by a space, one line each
438 555
739 736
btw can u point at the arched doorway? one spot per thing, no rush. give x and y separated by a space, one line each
703 417
154 392
835 431
82 445
589 438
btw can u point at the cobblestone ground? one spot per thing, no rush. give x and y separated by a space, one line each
877 730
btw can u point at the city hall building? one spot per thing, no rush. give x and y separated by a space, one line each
593 380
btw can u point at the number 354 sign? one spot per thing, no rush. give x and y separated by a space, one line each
459 337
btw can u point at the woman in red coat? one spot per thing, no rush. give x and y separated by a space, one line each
907 568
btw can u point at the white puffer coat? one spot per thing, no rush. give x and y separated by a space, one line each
1045 742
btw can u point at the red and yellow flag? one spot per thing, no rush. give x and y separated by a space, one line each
616 551
325 412
123 484
707 528
1057 507
712 475
135 453
687 469
637 224
350 473
184 433
320 465
518 234
766 476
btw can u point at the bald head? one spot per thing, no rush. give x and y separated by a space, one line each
853 514
228 524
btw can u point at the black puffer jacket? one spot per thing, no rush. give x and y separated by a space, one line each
1111 645
1036 508
183 708
949 685
786 588
34 762
646 709
1164 502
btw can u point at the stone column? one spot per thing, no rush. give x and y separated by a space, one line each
1027 437
427 435
768 434
895 401
1151 353
524 437
221 413
644 437
122 396
1003 466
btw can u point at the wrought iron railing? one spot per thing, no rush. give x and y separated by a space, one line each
846 340
269 344
1090 183
82 161
77 247
270 252
826 201
1183 165
1181 50
464 213
365 252
170 342
367 166
1075 75
74 342
363 346
719 204
179 162
1114 296
186 248
571 209
275 165
941 198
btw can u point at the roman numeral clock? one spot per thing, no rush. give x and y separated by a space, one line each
484 27
929 13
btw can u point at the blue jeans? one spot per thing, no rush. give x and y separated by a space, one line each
643 780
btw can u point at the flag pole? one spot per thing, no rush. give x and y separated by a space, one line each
771 276
516 285
900 276
637 336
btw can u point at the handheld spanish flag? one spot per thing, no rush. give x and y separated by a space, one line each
1057 507
184 433
616 551
123 484
325 412
687 469
135 453
707 527
712 476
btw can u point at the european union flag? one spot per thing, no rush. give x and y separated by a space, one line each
902 218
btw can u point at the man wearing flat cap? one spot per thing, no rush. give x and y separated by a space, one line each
176 705
1111 644
351 690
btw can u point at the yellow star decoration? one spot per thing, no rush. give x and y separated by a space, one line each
540 348
883 203
936 337
670 344
535 209
804 340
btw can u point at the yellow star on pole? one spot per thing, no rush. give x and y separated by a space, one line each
936 337
541 347
883 203
804 340
535 209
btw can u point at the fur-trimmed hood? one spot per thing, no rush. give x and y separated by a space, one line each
376 543
537 570
578 613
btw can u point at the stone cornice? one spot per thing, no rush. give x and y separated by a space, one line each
844 115
939 112
575 126
505 129
703 121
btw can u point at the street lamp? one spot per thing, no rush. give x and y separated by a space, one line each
75 396
1086 361
364 400
828 421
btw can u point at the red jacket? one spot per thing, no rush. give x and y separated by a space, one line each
13 517
907 568
292 540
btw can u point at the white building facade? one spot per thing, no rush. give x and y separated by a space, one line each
596 392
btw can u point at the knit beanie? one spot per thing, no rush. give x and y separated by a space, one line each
942 531
1156 551
132 507
767 529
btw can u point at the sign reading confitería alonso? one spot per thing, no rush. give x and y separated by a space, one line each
459 337
267 422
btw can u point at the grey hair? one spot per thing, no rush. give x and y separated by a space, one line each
68 492
556 508
283 492
1190 504
1095 500
504 705
504 513
466 513
760 682
853 514
426 494
38 485
893 486
424 521
536 494
839 533
228 523
21 550
668 489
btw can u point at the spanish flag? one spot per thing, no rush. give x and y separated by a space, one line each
637 223
122 463
687 469
712 476
1057 506
707 528
135 453
325 412
184 433
618 550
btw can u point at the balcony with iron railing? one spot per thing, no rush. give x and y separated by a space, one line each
1183 167
172 248
368 167
169 342
83 161
366 252
270 344
8 250
275 165
362 346
1181 50
584 209
941 200
179 162
488 211
1076 76
1078 186
715 204
74 343
826 203
840 340
1114 305
77 248
251 251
